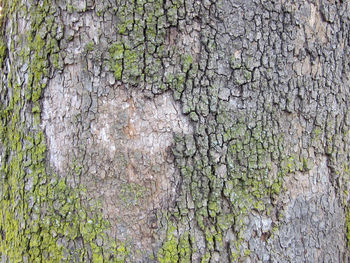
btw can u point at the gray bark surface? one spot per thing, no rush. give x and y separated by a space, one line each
175 131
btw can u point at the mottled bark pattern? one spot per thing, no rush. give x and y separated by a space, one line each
176 131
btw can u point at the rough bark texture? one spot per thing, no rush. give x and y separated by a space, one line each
174 131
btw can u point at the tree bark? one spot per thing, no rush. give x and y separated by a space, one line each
174 131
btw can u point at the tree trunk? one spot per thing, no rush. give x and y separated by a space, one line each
174 131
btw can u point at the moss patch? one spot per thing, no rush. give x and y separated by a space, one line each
41 217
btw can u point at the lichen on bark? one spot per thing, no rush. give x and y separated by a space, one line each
212 131
42 218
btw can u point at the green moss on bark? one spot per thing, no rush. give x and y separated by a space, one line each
41 217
